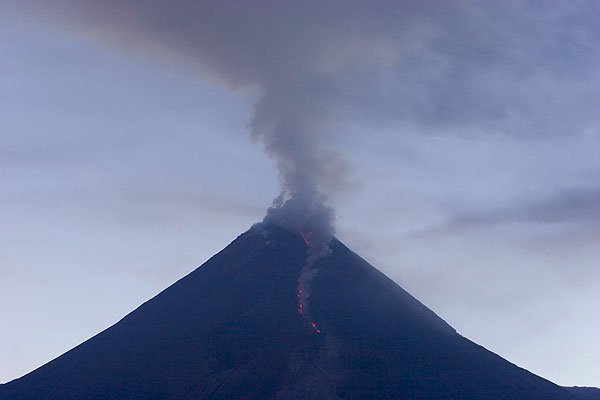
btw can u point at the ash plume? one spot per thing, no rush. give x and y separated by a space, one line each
293 53
289 123
260 46
472 67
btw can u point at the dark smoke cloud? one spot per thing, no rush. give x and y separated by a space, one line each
504 67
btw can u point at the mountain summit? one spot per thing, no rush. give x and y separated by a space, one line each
270 318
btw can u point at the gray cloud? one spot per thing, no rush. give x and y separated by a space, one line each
579 206
524 68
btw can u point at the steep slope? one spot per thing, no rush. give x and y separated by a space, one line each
232 329
585 393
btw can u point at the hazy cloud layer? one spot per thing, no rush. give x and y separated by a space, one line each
524 68
575 206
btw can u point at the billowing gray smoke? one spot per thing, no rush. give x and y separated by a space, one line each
288 52
290 122
427 65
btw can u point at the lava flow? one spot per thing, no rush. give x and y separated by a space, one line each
307 237
315 327
305 275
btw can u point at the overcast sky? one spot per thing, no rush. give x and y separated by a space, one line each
458 143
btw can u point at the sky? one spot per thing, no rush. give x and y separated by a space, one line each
457 142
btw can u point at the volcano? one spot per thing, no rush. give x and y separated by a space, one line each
238 328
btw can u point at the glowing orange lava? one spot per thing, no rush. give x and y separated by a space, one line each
315 327
301 293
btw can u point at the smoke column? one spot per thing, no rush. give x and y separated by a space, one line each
289 125
429 65
275 49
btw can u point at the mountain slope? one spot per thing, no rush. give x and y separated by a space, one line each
231 329
585 393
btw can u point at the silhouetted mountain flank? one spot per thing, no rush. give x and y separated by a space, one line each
233 329
585 393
